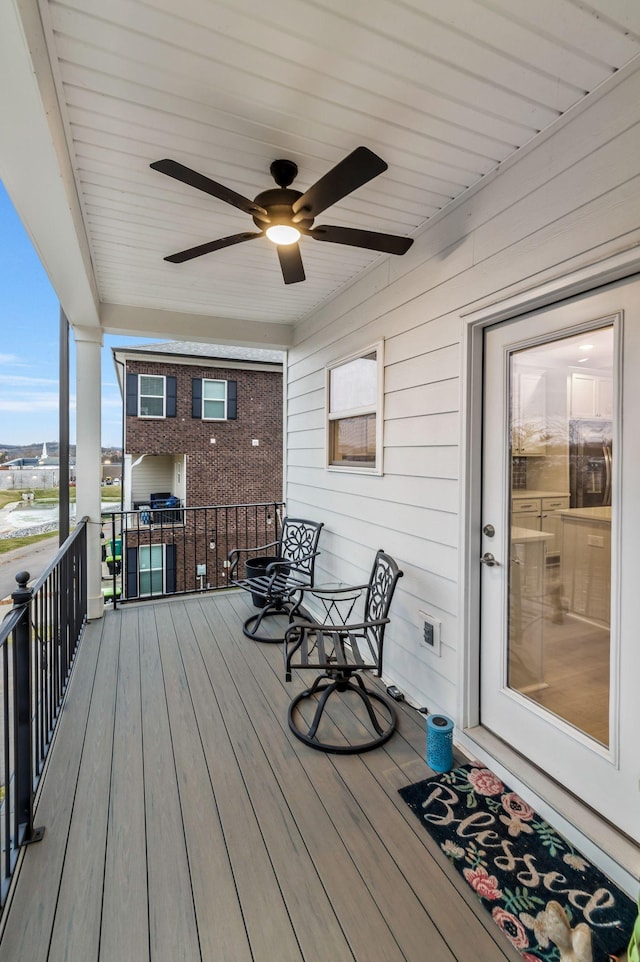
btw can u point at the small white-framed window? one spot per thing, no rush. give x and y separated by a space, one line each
214 400
355 391
151 569
151 396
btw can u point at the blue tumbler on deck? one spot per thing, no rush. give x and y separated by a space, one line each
439 743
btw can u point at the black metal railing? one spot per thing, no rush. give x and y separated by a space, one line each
38 641
150 553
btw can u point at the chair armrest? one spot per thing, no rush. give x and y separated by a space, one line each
234 555
273 569
291 570
274 566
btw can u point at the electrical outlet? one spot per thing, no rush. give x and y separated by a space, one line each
430 631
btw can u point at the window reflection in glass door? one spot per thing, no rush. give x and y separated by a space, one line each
560 431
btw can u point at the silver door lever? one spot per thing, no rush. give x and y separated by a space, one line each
489 560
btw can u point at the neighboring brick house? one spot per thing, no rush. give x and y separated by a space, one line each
202 427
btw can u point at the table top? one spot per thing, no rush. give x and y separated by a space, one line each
337 589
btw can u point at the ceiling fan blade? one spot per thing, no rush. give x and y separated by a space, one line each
369 239
191 177
291 263
360 166
216 245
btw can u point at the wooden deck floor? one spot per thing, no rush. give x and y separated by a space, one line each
184 822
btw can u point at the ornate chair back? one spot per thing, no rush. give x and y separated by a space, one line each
299 545
382 584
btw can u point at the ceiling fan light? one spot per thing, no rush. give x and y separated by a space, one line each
283 234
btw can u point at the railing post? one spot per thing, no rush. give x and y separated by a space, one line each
114 578
64 628
24 740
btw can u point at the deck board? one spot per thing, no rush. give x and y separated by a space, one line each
185 823
125 924
76 928
173 934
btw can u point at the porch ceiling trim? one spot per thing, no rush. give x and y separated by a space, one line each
35 166
150 322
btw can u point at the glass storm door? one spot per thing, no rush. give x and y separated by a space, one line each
560 565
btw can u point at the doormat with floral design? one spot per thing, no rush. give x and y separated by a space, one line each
545 896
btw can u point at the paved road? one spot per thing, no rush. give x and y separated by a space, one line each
33 558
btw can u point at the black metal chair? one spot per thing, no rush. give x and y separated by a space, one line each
276 580
342 652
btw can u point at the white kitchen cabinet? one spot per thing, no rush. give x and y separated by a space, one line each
551 521
526 609
529 571
591 396
529 413
541 514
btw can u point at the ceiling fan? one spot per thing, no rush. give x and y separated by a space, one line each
283 214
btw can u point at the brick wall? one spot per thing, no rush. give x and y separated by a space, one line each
231 471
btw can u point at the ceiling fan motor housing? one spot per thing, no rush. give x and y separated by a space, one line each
278 204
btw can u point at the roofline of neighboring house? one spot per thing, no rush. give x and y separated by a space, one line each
121 355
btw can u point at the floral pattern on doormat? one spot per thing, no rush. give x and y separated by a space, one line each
517 864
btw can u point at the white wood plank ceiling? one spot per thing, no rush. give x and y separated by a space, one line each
443 90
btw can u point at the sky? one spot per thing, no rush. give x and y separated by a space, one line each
29 347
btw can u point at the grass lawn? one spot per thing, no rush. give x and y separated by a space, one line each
8 544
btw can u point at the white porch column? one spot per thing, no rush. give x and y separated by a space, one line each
89 455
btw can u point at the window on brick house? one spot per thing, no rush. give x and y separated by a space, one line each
151 396
150 570
214 400
354 412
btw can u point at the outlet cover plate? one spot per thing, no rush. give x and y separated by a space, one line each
430 629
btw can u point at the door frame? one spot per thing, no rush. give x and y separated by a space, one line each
576 821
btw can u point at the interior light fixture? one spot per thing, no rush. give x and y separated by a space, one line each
582 360
283 234
586 347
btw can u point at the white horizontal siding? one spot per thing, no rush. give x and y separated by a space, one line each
436 399
567 203
154 474
421 491
437 365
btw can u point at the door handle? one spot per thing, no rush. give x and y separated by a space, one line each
489 560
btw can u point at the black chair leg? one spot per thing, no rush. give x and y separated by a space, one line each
251 626
327 685
366 697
